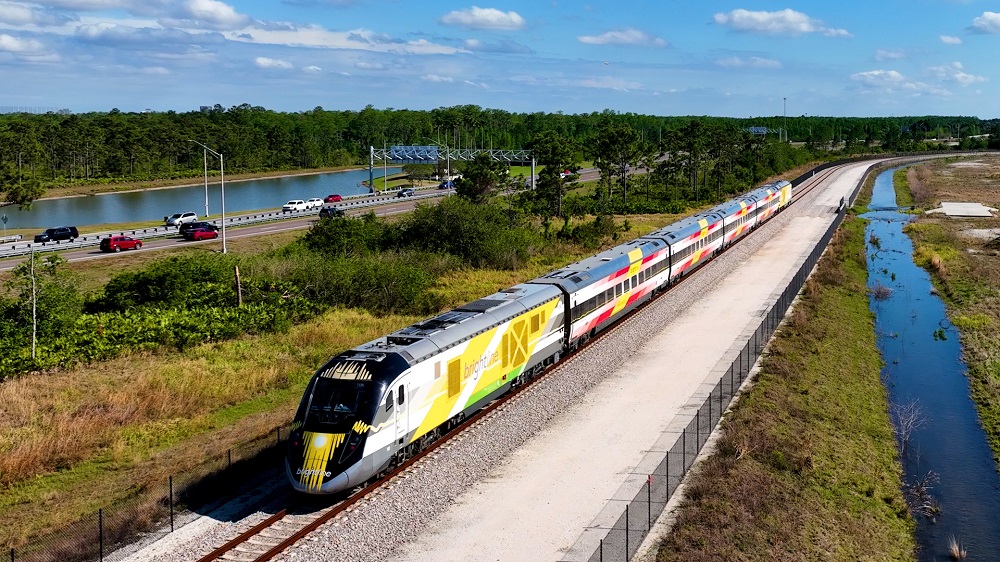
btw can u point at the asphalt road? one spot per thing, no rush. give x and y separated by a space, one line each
261 229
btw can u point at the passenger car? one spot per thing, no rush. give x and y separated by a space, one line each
331 211
57 233
294 205
178 219
333 198
446 185
119 243
200 234
193 225
314 203
405 193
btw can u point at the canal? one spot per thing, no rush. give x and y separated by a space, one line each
951 480
154 204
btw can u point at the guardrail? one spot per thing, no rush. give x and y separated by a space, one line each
94 239
11 238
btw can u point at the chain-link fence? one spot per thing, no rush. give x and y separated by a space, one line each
149 513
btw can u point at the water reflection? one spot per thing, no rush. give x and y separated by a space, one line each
945 454
154 204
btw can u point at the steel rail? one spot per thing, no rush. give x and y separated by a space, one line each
462 427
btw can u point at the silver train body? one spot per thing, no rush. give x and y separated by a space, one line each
372 407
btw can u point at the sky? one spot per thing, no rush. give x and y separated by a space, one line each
858 58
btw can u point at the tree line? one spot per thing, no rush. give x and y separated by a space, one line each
38 151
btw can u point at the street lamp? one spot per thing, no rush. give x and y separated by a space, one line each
222 183
447 157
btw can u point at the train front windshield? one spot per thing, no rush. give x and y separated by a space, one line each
331 402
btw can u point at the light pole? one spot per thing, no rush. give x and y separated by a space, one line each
222 183
205 160
784 115
447 159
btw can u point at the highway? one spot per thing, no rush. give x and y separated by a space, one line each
236 227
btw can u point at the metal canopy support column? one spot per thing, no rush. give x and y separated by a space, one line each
532 173
371 169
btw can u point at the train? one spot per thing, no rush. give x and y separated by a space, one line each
370 408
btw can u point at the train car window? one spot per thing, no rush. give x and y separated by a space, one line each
388 403
635 281
400 396
536 323
609 294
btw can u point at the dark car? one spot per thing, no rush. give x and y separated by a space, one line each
57 233
201 234
405 193
446 185
119 243
193 225
334 198
331 211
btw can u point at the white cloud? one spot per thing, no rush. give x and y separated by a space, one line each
364 65
786 21
436 78
265 62
11 44
217 15
889 54
609 83
312 69
752 62
989 22
503 46
21 15
949 40
879 77
476 84
318 37
953 72
627 36
155 70
484 18
892 82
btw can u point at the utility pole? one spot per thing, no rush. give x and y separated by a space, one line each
784 115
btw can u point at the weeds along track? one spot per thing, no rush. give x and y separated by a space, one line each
277 533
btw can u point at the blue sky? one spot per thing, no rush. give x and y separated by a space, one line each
662 57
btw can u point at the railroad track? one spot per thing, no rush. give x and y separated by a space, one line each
274 535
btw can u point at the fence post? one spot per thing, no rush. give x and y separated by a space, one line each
100 526
649 503
626 533
697 430
11 555
684 451
601 557
171 481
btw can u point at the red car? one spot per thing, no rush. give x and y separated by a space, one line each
119 243
201 234
332 198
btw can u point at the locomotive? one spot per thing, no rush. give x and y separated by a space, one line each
372 407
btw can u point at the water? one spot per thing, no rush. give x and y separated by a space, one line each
925 377
154 204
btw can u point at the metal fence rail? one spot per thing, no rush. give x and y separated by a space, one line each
8 250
